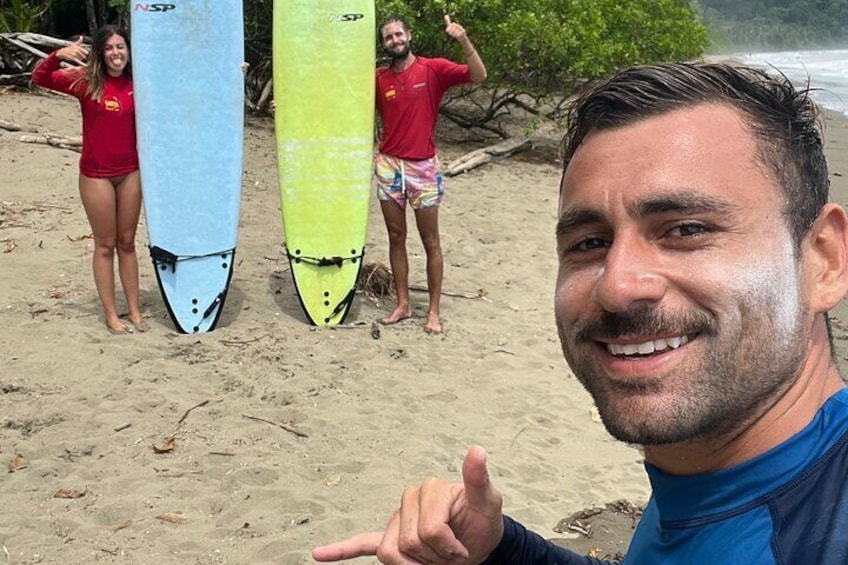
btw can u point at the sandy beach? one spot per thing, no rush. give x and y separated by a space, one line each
286 436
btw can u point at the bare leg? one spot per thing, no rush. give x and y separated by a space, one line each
128 195
428 226
395 218
98 199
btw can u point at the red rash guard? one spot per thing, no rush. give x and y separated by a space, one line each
409 105
108 126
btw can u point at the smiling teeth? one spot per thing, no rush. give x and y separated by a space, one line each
647 347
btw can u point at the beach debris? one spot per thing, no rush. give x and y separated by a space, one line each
244 342
20 51
398 354
375 330
173 517
54 140
187 412
123 525
485 155
122 427
359 324
19 463
481 293
69 493
168 446
12 126
376 280
9 246
289 428
581 521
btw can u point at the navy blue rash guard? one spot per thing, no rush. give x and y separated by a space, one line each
788 506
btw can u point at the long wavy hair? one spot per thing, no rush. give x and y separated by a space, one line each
94 73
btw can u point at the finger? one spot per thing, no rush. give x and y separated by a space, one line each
389 551
409 540
78 41
436 502
447 20
475 476
360 545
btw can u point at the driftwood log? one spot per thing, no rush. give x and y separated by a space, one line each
19 53
72 143
487 154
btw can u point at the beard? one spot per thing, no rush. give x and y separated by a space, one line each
730 374
400 54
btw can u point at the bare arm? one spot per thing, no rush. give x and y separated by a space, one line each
472 57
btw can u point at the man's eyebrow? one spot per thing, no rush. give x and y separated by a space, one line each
686 202
689 202
571 219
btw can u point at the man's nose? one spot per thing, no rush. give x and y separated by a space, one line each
630 275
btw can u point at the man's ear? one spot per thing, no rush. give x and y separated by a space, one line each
826 258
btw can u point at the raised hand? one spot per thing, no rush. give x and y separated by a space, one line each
453 29
74 53
438 522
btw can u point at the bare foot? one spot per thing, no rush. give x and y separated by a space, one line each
433 325
398 314
117 327
140 324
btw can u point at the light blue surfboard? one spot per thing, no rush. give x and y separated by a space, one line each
189 102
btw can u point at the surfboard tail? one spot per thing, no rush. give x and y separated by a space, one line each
326 286
194 289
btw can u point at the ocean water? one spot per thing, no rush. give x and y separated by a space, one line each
826 71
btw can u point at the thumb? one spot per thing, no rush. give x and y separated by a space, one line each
447 20
475 477
79 40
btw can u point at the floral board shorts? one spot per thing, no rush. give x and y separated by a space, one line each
401 180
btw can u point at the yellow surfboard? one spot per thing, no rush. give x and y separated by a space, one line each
324 59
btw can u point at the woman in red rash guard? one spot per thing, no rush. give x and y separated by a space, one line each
109 181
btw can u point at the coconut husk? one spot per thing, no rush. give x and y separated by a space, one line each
376 281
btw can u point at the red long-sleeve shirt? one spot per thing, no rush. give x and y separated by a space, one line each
108 126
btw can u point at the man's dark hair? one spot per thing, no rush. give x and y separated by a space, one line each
785 121
391 20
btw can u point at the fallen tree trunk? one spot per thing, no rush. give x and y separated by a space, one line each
484 155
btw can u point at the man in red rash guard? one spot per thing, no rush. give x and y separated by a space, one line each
406 168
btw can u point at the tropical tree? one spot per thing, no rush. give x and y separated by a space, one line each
21 16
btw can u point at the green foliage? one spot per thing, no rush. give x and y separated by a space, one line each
551 44
775 24
21 16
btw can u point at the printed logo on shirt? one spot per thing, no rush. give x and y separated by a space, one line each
112 105
419 85
390 94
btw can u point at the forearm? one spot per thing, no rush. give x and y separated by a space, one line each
474 62
47 74
523 547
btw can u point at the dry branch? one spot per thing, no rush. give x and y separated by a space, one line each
286 427
472 295
484 155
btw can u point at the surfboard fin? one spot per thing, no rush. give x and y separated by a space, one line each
215 303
